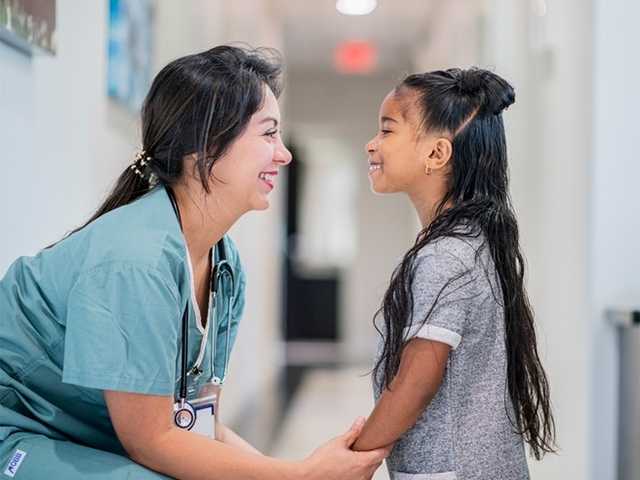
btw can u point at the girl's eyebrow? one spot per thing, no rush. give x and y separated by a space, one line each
388 119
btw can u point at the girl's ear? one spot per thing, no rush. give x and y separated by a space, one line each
439 154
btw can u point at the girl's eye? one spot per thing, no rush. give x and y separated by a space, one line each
384 132
272 133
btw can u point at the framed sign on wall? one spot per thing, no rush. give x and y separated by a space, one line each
29 25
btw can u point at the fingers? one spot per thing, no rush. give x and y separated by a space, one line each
387 450
375 457
352 435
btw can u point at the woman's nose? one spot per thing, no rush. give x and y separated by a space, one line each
282 155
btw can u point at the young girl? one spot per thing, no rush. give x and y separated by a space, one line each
458 381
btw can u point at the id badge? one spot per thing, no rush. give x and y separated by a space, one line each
205 412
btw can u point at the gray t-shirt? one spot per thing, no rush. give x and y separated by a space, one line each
465 432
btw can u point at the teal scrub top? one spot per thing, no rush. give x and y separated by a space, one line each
102 310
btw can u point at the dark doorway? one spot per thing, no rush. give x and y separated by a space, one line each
310 300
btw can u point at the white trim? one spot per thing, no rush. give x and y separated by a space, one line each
433 332
424 476
194 301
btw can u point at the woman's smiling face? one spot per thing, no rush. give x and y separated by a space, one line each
248 170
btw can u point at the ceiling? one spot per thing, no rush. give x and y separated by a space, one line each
313 28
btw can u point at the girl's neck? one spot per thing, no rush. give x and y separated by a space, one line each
426 201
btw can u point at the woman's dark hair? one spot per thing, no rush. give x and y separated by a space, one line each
198 104
468 105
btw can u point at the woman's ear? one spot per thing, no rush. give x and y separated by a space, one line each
440 154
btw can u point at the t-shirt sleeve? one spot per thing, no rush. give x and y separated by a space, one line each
122 329
443 292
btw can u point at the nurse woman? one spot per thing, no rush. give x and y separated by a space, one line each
115 341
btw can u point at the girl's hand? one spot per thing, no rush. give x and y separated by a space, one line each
336 461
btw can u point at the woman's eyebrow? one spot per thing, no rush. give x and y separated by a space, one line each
269 119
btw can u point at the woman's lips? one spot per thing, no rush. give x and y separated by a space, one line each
267 178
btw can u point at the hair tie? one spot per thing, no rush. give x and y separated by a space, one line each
140 163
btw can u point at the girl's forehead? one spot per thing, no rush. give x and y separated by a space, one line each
401 105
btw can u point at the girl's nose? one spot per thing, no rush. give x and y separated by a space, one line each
371 145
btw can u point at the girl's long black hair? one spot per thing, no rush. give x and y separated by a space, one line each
198 104
468 104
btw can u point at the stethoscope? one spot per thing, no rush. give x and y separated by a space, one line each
184 412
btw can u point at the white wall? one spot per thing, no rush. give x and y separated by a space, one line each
614 256
56 139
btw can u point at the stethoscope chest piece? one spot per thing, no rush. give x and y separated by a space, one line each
184 415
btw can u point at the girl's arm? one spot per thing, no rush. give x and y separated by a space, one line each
422 366
145 429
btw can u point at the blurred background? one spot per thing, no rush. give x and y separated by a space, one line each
72 75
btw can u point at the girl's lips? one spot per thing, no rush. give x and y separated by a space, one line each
374 167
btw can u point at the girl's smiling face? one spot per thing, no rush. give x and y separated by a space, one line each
401 152
393 155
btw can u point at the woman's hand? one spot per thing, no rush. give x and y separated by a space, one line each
336 461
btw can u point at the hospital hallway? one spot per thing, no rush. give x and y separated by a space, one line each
318 260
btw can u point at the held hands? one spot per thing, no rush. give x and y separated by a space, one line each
336 461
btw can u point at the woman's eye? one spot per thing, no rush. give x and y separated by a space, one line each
272 133
384 132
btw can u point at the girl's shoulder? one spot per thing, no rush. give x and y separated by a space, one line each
463 249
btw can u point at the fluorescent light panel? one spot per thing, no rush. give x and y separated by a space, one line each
356 7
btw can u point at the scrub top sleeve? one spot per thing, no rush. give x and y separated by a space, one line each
443 291
122 330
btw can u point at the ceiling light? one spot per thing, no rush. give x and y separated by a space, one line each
356 7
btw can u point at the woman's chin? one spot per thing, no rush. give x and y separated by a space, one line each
260 203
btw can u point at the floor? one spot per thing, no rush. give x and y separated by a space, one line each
324 404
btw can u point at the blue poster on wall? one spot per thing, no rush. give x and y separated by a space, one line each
130 51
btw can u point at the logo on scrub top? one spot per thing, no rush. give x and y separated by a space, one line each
14 463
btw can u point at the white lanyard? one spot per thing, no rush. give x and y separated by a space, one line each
219 271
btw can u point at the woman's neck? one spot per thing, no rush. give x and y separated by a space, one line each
204 222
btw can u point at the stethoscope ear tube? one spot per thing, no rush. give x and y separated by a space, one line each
185 347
